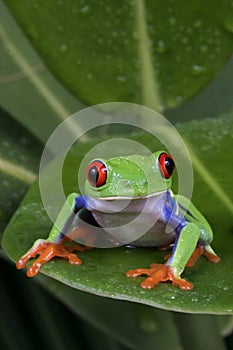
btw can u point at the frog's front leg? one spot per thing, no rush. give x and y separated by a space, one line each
54 246
187 238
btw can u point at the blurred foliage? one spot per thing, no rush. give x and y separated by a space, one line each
19 164
187 45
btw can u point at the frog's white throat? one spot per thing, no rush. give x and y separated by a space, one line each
149 203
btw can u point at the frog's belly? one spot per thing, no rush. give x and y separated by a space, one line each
124 229
156 237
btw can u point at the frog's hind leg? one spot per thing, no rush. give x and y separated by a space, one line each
192 214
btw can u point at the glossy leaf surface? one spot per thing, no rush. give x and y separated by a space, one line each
147 52
27 89
102 273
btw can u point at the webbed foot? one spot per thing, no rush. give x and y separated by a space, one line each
47 251
159 273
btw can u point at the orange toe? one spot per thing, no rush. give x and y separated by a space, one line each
47 251
199 251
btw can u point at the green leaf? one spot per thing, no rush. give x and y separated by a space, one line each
210 143
133 325
27 89
138 326
19 162
214 99
147 52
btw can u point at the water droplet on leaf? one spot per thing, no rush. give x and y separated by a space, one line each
85 9
108 9
203 48
184 40
100 40
179 98
198 24
161 47
194 299
121 78
198 70
172 21
114 34
60 28
63 48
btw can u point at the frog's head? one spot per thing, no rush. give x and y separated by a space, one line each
131 176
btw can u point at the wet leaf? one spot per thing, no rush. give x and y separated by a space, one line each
103 271
134 325
147 52
27 89
218 91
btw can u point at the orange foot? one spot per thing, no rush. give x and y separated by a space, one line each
159 273
47 252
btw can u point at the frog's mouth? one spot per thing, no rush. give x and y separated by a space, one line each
129 198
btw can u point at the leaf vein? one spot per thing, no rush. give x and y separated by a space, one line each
210 181
17 171
150 89
33 76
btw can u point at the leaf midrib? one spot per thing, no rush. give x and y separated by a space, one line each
149 84
208 178
151 97
17 171
33 77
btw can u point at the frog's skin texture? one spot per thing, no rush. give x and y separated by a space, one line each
110 183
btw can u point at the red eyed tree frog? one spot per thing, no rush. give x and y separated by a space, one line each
124 179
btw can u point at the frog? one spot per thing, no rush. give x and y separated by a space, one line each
132 180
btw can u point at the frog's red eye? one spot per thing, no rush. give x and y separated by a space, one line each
166 165
96 173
